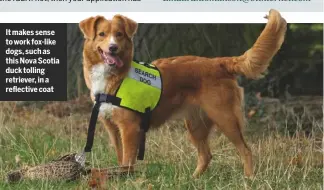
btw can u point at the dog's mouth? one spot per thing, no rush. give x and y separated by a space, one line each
110 59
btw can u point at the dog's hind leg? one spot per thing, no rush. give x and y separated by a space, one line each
198 130
229 120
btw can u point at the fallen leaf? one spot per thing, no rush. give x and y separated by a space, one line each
251 113
17 158
139 181
150 187
52 152
98 179
297 160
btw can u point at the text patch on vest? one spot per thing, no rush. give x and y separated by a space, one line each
143 74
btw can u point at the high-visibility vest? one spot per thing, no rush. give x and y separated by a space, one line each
141 89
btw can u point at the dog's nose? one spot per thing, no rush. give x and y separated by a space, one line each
113 48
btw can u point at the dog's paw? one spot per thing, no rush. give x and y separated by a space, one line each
196 175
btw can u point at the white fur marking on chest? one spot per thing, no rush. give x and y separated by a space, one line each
106 109
98 77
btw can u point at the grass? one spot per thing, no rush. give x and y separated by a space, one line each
281 161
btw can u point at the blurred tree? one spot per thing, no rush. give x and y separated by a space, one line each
297 68
76 85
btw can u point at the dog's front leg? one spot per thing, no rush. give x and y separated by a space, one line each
129 127
114 137
113 132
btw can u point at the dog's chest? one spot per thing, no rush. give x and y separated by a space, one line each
99 83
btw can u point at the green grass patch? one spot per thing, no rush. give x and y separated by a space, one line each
280 161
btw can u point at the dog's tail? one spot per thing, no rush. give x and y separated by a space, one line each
256 60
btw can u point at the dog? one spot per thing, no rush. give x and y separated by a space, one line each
203 91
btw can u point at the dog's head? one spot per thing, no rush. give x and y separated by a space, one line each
109 42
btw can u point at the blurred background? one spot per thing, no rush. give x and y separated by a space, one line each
295 76
297 69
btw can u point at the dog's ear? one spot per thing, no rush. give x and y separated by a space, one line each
130 25
88 27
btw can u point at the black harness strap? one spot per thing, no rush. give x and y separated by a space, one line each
145 123
92 127
100 98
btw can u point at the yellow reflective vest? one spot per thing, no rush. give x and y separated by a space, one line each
141 89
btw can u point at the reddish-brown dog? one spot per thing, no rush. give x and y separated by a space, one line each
203 91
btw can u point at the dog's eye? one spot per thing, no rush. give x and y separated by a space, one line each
119 34
101 34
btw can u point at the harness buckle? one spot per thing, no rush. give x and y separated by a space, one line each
102 97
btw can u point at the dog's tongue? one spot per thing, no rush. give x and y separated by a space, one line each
112 60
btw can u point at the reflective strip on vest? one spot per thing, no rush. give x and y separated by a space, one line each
141 89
